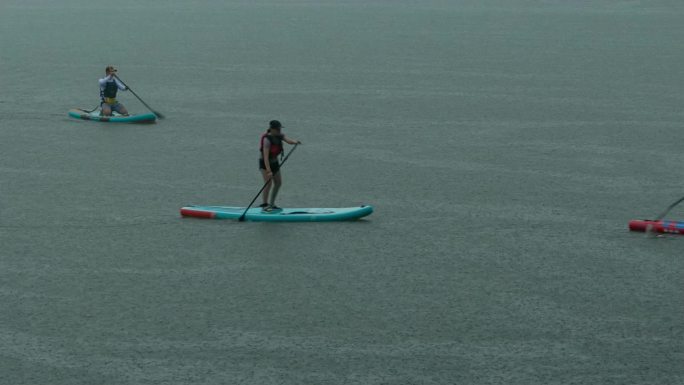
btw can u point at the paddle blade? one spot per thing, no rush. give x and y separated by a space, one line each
159 115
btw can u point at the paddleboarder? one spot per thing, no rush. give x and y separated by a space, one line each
109 85
270 146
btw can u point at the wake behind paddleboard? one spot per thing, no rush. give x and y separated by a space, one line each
78 113
283 215
644 225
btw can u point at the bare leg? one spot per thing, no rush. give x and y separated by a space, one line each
122 110
106 110
267 189
276 186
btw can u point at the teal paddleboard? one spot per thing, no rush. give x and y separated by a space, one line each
282 215
78 113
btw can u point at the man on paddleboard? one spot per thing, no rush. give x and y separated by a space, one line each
270 146
109 85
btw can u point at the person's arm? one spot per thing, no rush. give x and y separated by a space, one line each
265 150
103 81
108 78
291 141
120 85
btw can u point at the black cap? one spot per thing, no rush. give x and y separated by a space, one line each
274 124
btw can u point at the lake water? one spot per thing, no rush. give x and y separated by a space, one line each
504 145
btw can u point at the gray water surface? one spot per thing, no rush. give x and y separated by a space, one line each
504 145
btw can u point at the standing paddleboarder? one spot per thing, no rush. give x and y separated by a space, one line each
109 85
270 146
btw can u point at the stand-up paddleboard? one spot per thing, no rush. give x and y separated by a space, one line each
115 118
643 225
282 215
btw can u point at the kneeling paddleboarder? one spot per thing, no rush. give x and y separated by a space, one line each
109 85
270 146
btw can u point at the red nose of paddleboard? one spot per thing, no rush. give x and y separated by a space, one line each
639 224
643 225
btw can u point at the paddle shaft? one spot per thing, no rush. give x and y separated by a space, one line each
669 208
242 217
160 116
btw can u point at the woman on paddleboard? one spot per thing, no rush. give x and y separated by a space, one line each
109 85
270 146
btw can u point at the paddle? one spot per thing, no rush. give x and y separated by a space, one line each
670 207
242 217
160 116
